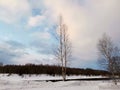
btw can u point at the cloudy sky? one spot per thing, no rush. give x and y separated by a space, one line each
27 27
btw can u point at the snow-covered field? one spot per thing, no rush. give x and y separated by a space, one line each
15 82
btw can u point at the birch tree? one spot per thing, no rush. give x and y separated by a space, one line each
63 50
108 53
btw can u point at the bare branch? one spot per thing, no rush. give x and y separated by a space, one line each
63 50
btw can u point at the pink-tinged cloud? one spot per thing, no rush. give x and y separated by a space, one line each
87 22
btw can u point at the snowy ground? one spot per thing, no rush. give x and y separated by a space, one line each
15 82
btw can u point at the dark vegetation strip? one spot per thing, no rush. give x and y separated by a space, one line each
47 69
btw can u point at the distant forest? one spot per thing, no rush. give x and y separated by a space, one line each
47 69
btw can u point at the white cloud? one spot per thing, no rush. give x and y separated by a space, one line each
87 22
13 10
41 35
34 58
35 20
11 52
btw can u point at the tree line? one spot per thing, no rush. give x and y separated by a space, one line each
49 70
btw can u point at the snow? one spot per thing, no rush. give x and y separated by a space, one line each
40 77
15 82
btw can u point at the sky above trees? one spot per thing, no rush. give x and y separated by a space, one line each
27 27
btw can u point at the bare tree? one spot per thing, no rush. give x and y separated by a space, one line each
63 50
108 53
